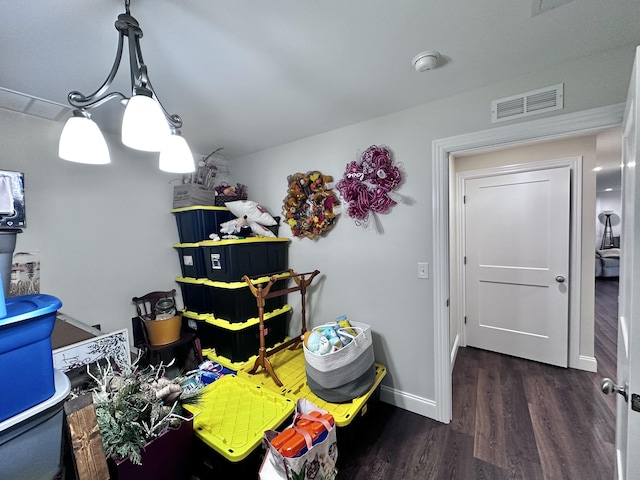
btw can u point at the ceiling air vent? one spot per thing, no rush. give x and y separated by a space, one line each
37 107
530 103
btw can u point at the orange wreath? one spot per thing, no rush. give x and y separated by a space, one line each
309 204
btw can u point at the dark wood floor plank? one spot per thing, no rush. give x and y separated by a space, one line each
524 420
455 456
549 437
489 444
606 332
464 395
565 430
522 456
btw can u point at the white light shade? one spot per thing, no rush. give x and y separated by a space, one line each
82 141
176 156
144 126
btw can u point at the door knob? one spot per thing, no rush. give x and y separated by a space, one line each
560 279
608 387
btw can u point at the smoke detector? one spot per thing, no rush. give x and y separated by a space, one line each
426 60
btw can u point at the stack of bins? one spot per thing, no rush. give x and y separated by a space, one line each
219 306
31 415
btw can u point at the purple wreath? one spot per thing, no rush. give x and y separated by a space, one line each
368 184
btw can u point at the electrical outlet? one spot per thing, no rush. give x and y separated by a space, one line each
423 270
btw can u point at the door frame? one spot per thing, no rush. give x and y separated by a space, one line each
552 128
575 247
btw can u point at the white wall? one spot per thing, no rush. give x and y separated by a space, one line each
373 278
105 232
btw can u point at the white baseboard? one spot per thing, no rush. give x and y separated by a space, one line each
620 464
454 352
589 364
407 401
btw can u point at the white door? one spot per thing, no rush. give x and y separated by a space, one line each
517 264
628 410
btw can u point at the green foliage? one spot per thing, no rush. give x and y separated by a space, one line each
121 438
133 407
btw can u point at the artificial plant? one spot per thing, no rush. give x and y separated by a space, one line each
135 406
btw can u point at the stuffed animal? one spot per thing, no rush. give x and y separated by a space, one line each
329 338
243 229
313 342
324 346
229 191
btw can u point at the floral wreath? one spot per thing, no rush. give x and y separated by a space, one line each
308 206
368 184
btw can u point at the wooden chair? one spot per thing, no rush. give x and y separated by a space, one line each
153 354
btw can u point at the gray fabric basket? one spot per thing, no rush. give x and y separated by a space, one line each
346 374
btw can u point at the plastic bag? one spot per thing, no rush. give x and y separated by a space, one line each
318 463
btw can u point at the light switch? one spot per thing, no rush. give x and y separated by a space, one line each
423 270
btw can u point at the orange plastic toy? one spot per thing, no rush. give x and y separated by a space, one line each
293 440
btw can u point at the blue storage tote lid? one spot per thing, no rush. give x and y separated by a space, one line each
25 307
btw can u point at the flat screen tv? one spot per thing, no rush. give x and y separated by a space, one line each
12 212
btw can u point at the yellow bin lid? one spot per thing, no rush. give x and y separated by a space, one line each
199 207
290 368
233 414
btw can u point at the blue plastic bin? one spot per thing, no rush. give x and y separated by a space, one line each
26 361
31 442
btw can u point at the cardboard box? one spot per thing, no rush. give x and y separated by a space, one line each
190 194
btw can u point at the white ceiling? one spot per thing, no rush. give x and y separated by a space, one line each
247 75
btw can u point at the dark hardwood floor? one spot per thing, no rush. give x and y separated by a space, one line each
512 419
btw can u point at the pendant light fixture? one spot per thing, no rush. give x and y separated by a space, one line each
146 125
175 155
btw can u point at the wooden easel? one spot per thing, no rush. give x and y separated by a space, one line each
262 293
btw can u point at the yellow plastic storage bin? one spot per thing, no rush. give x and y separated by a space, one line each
290 369
233 414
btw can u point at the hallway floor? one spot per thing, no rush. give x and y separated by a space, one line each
512 419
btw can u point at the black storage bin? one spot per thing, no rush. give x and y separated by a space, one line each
240 341
234 302
191 260
275 228
230 260
195 224
362 425
190 322
196 296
